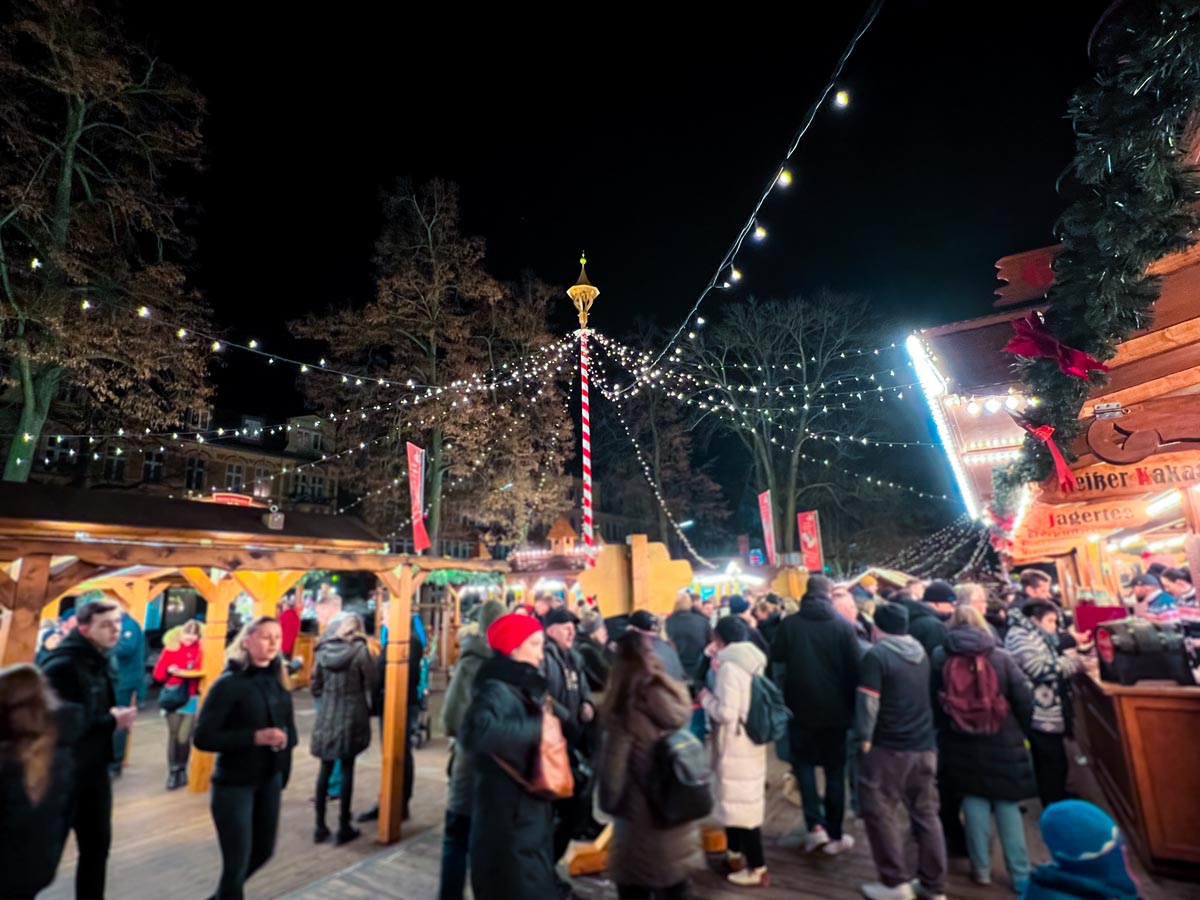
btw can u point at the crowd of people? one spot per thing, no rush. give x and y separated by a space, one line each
931 711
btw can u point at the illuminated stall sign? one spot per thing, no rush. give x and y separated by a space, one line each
1104 481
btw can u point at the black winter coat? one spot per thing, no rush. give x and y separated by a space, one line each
690 632
924 625
997 766
566 683
238 704
343 680
819 654
596 662
512 832
32 837
769 627
81 674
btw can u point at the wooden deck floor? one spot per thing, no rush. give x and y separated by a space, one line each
164 844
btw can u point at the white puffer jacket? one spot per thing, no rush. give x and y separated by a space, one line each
739 764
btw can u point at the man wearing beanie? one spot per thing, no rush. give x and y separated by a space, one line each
739 606
591 643
898 771
819 654
473 651
569 687
923 621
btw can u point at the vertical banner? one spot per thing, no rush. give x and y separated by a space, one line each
812 557
768 524
416 490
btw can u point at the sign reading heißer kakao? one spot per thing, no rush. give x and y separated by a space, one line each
1103 481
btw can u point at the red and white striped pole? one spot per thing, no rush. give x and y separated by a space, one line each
586 418
583 293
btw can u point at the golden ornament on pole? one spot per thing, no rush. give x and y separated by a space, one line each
583 293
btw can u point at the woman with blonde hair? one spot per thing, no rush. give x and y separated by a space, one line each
36 773
179 667
248 721
343 681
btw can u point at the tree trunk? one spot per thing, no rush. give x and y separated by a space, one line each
38 386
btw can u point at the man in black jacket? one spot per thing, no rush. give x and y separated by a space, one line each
568 685
923 621
894 723
689 628
819 655
79 671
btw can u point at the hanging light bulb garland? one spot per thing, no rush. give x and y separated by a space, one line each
727 272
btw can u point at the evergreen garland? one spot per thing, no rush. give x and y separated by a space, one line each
1130 127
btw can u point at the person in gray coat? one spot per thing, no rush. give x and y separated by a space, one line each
456 836
343 679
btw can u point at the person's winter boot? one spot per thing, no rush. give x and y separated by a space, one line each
320 833
371 815
750 878
346 833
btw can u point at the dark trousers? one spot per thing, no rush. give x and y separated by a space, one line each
853 749
179 740
247 819
92 822
827 812
456 840
679 891
1049 766
346 795
898 792
748 842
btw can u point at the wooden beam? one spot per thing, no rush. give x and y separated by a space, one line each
72 574
401 584
219 596
230 559
8 587
19 630
267 588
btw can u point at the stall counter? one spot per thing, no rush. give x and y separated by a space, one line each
1143 744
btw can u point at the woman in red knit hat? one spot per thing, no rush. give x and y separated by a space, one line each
512 831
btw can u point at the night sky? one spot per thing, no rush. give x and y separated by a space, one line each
645 144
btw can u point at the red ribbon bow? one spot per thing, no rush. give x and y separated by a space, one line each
1045 434
1033 339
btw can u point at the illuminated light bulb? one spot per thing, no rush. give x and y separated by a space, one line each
34 264
85 305
973 408
1012 402
216 345
735 274
144 311
700 321
322 363
253 345
303 368
784 179
841 99
760 233
181 333
992 405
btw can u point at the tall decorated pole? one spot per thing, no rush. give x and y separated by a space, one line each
583 293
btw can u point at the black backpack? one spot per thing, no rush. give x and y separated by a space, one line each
768 717
680 782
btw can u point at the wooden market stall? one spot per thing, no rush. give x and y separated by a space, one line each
1135 500
55 541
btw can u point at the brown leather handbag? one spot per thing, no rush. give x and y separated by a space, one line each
551 778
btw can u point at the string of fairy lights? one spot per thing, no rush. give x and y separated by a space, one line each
727 272
601 382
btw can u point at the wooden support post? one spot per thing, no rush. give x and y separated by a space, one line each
219 595
400 583
267 588
27 598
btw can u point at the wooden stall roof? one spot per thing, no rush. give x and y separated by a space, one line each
56 510
970 354
118 530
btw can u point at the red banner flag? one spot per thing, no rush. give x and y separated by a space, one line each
416 490
768 524
812 557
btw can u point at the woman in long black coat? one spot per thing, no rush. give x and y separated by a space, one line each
992 773
344 681
512 831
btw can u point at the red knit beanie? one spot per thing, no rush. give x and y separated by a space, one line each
509 632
